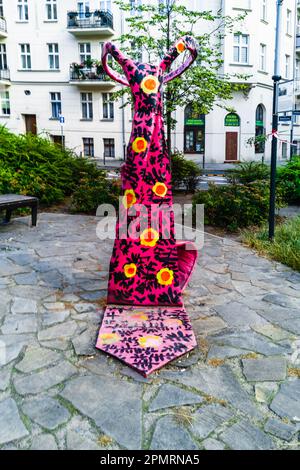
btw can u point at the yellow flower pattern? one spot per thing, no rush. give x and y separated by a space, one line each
150 84
165 277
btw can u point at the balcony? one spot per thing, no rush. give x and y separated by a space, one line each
4 77
92 23
90 77
3 29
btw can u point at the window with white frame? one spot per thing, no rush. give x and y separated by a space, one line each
109 56
1 9
83 8
5 103
288 22
105 5
51 10
134 4
53 55
287 66
84 51
3 57
23 10
264 10
25 56
284 150
109 148
87 105
241 48
88 147
108 106
55 101
137 53
262 57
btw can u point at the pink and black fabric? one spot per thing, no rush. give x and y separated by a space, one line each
145 323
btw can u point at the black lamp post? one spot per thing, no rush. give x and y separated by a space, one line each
276 79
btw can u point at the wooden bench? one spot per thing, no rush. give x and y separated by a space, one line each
10 202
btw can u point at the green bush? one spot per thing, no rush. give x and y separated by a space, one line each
184 172
236 206
288 176
90 194
248 172
32 165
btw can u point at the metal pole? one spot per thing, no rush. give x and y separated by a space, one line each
276 78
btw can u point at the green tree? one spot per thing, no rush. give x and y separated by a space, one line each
203 84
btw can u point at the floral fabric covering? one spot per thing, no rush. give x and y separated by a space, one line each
148 267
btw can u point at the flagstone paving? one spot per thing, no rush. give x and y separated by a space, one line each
239 390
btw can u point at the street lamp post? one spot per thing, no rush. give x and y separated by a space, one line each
276 79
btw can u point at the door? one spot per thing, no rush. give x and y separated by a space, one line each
30 124
231 146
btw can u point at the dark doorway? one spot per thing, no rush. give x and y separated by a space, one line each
30 124
231 146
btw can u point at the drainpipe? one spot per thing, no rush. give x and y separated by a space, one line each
123 102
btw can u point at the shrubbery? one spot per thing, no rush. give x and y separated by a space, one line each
236 206
248 172
184 173
289 178
32 165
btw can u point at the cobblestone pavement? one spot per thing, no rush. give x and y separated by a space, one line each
239 390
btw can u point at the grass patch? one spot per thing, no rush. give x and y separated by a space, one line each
286 246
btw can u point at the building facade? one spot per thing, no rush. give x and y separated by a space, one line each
50 68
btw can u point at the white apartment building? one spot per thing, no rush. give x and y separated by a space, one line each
43 43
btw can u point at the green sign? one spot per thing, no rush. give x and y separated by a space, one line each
195 122
259 124
232 120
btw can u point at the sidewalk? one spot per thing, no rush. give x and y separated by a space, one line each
239 390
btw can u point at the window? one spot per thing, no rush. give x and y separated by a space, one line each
194 130
84 51
134 4
288 22
108 106
284 150
5 103
1 9
87 105
83 8
23 10
105 5
55 99
287 66
53 56
51 10
264 8
137 53
241 48
25 56
260 129
262 57
3 58
109 56
109 148
88 147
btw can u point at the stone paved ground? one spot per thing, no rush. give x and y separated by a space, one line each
239 390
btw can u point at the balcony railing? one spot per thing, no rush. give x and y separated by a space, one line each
88 20
4 74
3 27
86 74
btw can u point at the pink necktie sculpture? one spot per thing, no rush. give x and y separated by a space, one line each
145 323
